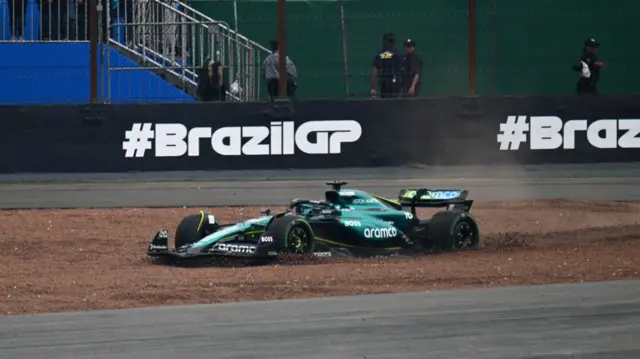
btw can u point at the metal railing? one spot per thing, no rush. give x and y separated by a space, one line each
41 20
168 37
171 36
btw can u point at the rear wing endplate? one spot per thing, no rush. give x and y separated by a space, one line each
453 199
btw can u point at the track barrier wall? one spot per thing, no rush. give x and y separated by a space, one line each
319 134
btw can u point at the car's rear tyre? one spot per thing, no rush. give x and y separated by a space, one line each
452 230
292 234
193 228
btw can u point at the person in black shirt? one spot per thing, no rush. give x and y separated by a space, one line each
17 14
211 84
412 70
387 67
589 68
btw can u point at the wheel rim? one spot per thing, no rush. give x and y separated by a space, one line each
464 234
298 241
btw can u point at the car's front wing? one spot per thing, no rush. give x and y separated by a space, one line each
159 248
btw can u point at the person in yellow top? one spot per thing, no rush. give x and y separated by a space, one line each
386 67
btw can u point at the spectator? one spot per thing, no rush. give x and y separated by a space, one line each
589 68
412 70
123 11
141 17
107 17
170 30
271 69
78 19
217 81
387 67
211 84
53 17
77 14
17 15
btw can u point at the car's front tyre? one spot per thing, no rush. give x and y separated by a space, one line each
193 228
292 234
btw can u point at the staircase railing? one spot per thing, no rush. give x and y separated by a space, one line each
171 36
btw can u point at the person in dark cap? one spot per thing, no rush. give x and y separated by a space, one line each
412 70
387 68
589 68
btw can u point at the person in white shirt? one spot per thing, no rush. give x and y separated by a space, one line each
271 70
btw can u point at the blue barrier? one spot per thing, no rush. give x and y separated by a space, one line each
56 73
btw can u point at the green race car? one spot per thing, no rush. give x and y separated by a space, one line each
346 223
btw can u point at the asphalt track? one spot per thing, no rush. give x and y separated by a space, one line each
586 321
595 320
619 182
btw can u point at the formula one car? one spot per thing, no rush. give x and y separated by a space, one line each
347 222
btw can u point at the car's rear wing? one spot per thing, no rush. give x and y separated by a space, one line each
453 199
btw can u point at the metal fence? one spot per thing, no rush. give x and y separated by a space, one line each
488 47
485 47
166 37
43 20
172 37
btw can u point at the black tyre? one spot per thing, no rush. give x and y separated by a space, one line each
193 228
454 230
292 234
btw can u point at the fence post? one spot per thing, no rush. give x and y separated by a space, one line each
344 52
472 46
93 51
282 50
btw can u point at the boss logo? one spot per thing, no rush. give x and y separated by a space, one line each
352 223
266 239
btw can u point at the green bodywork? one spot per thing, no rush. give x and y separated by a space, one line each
367 217
250 226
